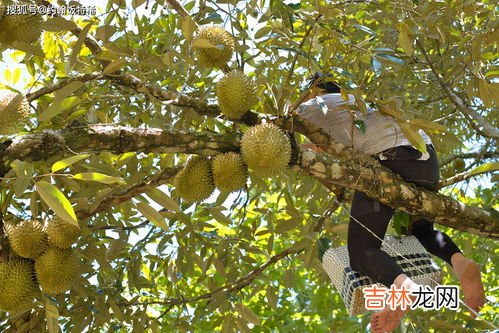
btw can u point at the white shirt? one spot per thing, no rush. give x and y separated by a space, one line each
335 115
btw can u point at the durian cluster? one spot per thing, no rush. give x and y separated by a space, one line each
265 149
236 92
41 256
14 113
19 28
201 175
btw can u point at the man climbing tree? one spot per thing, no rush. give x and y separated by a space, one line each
381 137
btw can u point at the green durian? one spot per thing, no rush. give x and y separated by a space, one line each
62 234
18 287
14 113
266 150
229 172
195 182
27 239
236 94
55 269
214 46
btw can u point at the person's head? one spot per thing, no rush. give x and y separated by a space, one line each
323 82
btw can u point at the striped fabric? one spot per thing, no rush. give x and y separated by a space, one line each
407 252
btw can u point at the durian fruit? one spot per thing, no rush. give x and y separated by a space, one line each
27 239
229 172
219 52
266 150
20 28
18 287
236 94
14 113
55 269
195 182
62 234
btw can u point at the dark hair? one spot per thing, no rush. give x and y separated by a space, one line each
322 81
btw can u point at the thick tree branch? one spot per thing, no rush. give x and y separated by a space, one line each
349 168
342 165
116 139
489 130
391 190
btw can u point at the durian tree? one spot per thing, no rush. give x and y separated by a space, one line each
152 153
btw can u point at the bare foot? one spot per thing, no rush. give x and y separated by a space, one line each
471 282
387 320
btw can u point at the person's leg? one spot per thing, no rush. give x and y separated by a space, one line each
364 244
367 257
425 174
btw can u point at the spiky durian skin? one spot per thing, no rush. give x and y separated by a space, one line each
215 56
236 94
62 234
55 269
20 28
14 113
266 150
27 239
229 172
195 182
18 287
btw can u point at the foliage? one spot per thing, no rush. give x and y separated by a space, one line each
154 263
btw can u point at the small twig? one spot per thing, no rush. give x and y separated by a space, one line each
488 130
230 287
457 178
295 59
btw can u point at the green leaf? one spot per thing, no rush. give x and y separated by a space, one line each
77 47
23 170
203 43
404 39
137 3
188 27
487 167
52 316
391 58
33 49
17 75
58 106
152 215
98 177
411 133
428 125
360 125
376 66
58 23
262 32
57 201
113 66
68 90
164 200
365 29
62 164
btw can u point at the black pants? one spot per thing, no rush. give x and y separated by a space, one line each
364 247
